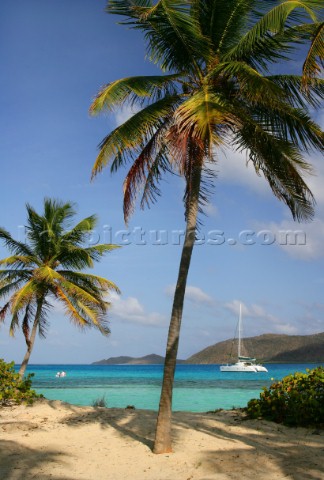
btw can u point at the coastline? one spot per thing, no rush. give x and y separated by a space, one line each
58 441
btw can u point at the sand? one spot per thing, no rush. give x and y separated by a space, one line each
52 440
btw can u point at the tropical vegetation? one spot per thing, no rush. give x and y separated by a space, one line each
14 389
296 400
220 87
48 266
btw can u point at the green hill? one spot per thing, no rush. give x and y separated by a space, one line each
271 348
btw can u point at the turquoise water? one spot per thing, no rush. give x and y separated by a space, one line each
197 388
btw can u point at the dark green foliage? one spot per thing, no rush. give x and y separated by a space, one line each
296 400
12 388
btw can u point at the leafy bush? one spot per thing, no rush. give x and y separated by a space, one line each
100 402
12 388
296 400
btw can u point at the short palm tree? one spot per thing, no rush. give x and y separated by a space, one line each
48 267
217 90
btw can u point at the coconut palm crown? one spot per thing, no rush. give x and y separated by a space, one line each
219 87
48 266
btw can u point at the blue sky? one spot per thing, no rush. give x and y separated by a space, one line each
55 55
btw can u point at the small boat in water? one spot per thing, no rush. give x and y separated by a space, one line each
243 364
60 374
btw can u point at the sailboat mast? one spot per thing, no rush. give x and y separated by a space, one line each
239 331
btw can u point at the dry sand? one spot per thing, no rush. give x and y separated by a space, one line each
57 441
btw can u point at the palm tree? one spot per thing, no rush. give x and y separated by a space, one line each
217 90
48 267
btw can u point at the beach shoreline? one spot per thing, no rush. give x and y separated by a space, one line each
58 441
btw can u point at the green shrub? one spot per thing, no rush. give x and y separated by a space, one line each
296 400
12 388
100 402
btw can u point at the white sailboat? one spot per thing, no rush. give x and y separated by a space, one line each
243 364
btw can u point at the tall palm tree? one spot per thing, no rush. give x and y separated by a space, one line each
48 267
218 90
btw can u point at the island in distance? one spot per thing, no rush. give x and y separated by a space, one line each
147 360
268 348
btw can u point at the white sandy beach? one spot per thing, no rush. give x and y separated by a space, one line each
57 441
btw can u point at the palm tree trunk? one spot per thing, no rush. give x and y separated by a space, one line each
162 443
31 340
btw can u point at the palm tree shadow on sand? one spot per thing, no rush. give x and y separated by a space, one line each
265 447
18 462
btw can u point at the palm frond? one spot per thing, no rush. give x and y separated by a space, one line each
122 143
223 21
314 60
13 245
43 310
58 214
83 227
71 310
52 279
83 315
25 295
14 324
132 9
134 89
25 324
151 190
248 81
19 261
8 275
95 252
7 288
80 257
44 231
281 164
74 257
87 280
201 114
145 171
291 85
78 235
261 38
291 124
174 40
4 310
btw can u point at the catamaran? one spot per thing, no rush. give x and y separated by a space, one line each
243 364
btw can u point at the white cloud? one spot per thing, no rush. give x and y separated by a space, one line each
306 244
233 167
127 309
313 247
196 295
310 245
286 329
193 294
124 113
130 310
316 178
254 310
257 312
210 210
57 306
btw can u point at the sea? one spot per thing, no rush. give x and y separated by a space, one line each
197 388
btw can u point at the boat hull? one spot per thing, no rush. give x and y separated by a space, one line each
261 368
242 367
